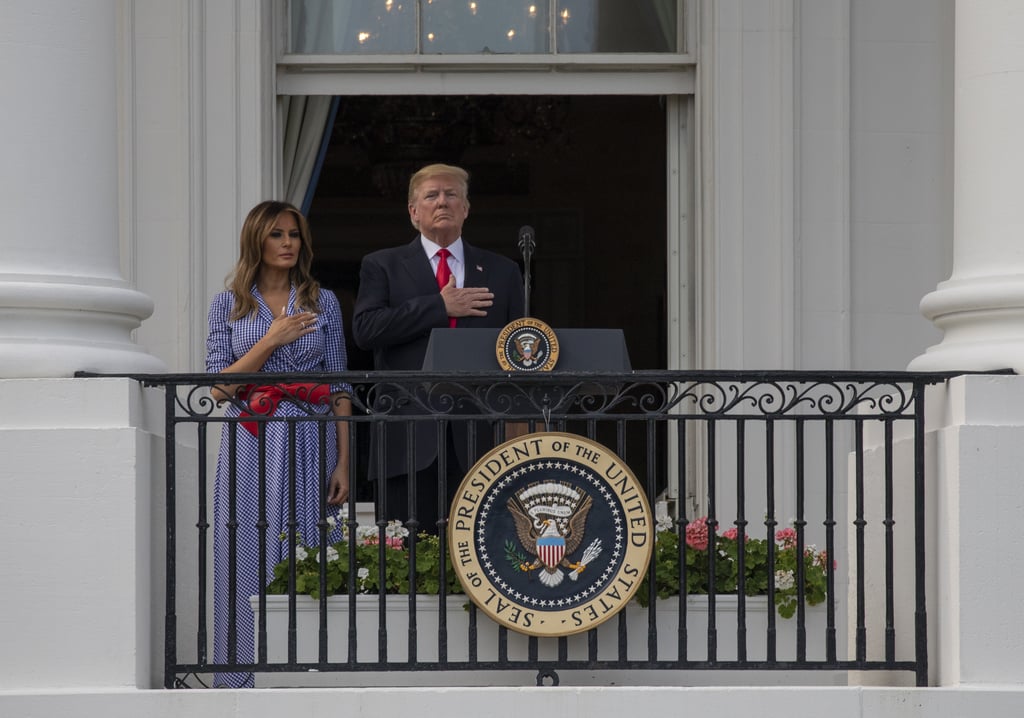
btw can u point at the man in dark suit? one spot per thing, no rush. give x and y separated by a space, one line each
436 281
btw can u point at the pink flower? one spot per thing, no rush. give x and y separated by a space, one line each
787 537
734 534
697 534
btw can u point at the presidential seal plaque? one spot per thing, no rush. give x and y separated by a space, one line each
550 534
527 344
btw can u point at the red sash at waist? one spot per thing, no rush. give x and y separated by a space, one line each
263 400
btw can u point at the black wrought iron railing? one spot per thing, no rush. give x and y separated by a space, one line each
821 476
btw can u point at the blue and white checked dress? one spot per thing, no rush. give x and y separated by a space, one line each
319 351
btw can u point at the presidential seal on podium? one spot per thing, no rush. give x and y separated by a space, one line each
550 534
527 344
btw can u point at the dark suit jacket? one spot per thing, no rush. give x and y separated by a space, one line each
397 307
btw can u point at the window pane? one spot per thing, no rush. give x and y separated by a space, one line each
353 26
616 26
485 26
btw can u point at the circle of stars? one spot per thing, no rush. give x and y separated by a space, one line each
540 355
600 487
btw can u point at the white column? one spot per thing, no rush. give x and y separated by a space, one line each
81 524
979 558
64 305
981 306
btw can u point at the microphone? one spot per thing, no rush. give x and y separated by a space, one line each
526 246
526 242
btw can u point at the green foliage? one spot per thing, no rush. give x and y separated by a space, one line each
372 571
724 554
514 556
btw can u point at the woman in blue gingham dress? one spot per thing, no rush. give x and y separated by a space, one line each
281 322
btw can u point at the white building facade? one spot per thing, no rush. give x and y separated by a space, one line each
836 169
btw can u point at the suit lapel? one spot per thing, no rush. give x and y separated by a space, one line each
417 267
476 269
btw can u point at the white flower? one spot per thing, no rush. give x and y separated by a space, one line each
664 523
363 573
395 529
301 554
784 580
365 532
331 523
332 554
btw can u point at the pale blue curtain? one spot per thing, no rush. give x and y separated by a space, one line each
312 26
307 132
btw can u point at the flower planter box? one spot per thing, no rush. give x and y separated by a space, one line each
396 623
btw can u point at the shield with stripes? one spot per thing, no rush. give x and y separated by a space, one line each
550 550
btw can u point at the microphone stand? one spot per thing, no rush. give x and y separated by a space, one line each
526 246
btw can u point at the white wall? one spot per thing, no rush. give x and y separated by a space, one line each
901 209
746 143
822 186
198 138
830 146
156 136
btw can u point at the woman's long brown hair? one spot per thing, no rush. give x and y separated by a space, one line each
257 226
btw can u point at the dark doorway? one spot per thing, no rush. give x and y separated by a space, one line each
587 172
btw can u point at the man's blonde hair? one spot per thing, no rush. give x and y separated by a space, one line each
439 170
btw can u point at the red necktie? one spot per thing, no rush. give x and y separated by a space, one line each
444 273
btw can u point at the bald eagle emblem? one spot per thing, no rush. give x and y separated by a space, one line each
528 350
550 519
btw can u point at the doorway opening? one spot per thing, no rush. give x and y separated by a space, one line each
588 173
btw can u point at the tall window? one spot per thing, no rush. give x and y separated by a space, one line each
427 27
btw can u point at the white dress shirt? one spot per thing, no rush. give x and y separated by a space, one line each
456 260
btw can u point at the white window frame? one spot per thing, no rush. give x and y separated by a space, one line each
420 74
685 34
